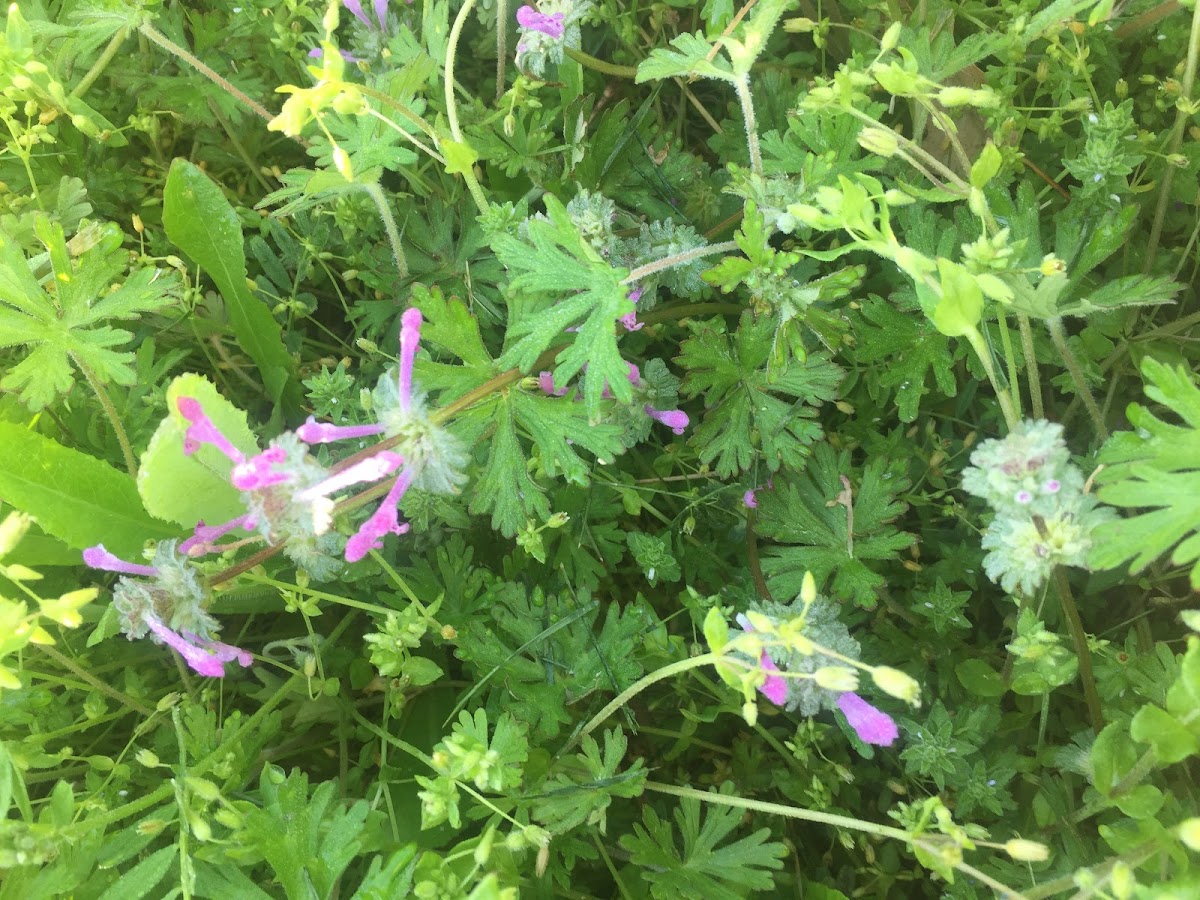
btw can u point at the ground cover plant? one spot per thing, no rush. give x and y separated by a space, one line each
599 449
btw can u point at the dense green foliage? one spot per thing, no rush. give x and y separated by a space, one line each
599 449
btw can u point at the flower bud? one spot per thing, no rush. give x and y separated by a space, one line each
891 38
880 141
836 678
202 788
1189 832
750 712
897 684
1121 881
12 529
1027 851
147 758
808 589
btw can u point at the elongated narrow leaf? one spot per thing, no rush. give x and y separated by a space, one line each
202 223
75 497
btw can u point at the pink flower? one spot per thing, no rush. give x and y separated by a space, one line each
546 383
314 432
385 520
410 336
630 320
870 724
99 558
750 500
381 7
549 25
205 656
204 536
775 688
203 431
675 419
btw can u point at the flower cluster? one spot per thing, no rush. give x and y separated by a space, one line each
1043 517
807 661
167 601
546 30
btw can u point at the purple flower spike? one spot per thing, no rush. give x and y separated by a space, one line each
314 432
530 18
204 656
410 335
750 500
99 558
203 539
635 375
203 431
386 520
356 8
381 9
675 419
255 474
870 724
371 469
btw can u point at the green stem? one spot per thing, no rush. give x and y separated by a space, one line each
742 86
389 225
1075 625
452 107
1031 367
79 672
683 665
599 65
985 357
810 815
101 64
111 412
501 45
1182 116
171 47
1010 363
1054 326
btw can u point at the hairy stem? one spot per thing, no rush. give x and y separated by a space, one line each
97 684
1081 388
1010 363
1031 368
101 64
669 262
985 357
389 225
501 45
742 86
110 413
599 65
452 106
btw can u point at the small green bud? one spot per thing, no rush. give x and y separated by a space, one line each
483 850
891 37
880 141
836 678
200 827
12 529
147 758
202 788
1027 851
1121 881
808 589
1189 832
750 712
558 520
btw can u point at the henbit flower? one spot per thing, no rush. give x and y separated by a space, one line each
549 25
203 431
318 53
750 501
630 320
872 726
385 520
381 8
204 536
173 592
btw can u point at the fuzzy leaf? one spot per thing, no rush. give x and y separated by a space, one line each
741 399
689 59
703 866
809 512
1156 469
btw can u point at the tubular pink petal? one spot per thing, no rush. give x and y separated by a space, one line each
202 538
546 383
203 431
371 469
99 558
531 19
255 474
872 726
356 8
410 336
385 520
675 419
381 10
314 432
635 375
200 660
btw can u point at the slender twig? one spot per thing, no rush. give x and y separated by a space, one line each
599 65
678 259
101 64
452 106
1054 326
1075 625
1031 367
389 225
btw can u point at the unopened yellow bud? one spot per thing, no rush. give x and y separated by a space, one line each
1189 832
880 141
897 684
808 589
1027 851
836 678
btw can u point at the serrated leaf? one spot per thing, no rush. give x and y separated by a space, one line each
1132 290
504 487
689 59
202 223
139 881
560 282
741 398
187 489
79 499
703 866
809 512
582 788
63 324
901 352
1155 469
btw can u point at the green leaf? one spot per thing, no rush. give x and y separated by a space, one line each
65 323
504 487
558 281
741 398
583 787
689 59
986 166
654 555
808 512
187 489
203 224
307 841
1172 742
956 307
139 881
1132 290
901 353
702 866
1155 469
979 678
75 497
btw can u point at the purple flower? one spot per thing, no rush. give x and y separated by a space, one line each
1023 497
99 558
386 520
318 53
750 500
410 337
870 724
775 688
675 419
314 432
1052 486
203 431
630 320
549 25
546 383
381 8
204 536
205 656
